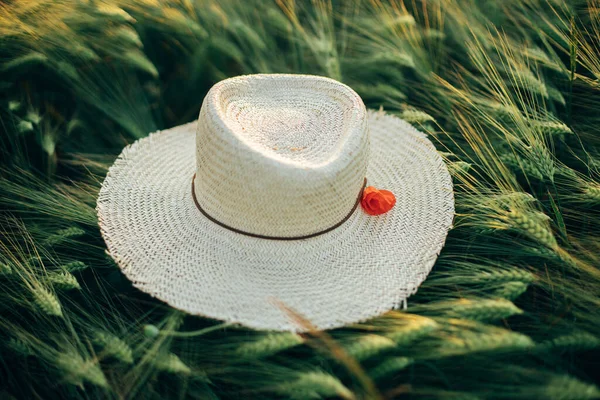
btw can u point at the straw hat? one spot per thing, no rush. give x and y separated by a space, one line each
260 207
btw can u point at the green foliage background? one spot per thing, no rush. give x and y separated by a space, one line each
507 90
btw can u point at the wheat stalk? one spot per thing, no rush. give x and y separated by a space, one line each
20 347
507 275
390 366
415 116
24 126
476 309
24 61
526 79
434 35
171 363
567 387
399 21
496 108
539 163
544 161
393 57
268 345
314 385
380 90
14 105
75 369
112 12
127 35
113 346
47 302
247 34
531 224
522 165
554 255
366 346
552 128
556 95
5 269
459 167
406 334
278 21
487 341
74 266
577 341
511 290
592 193
63 235
539 55
63 281
33 117
181 22
137 59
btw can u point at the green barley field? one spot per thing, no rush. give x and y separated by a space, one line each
508 91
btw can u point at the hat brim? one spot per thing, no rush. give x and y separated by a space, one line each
363 268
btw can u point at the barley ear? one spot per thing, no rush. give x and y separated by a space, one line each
390 366
269 344
407 334
591 194
75 370
468 342
567 387
5 269
63 281
415 116
484 309
367 346
74 266
314 385
113 346
20 347
171 363
47 302
511 290
532 224
577 341
63 235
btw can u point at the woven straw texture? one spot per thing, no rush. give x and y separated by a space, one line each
366 266
280 155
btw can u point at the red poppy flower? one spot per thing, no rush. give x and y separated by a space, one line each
376 202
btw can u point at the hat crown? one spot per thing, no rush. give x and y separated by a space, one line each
280 155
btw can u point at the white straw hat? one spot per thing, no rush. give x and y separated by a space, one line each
254 208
